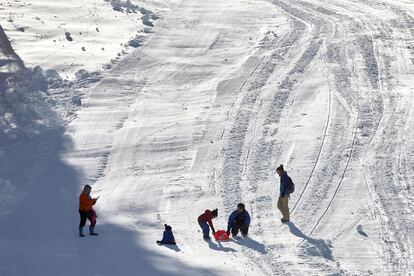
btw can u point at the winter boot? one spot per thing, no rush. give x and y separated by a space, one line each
92 231
81 232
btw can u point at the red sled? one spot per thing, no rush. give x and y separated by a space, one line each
221 235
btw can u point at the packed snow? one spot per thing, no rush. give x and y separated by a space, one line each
169 108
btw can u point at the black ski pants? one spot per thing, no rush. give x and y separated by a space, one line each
84 215
243 228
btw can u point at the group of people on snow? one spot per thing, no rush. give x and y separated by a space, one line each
238 221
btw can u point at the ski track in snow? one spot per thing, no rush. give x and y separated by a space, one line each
214 100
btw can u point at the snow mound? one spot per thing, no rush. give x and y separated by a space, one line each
23 107
73 34
33 100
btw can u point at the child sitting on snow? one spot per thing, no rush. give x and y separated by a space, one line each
167 237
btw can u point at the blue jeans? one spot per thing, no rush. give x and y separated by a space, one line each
206 229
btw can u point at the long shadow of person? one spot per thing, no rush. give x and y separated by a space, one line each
250 243
220 247
318 247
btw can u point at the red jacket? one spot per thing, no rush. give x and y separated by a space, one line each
86 202
206 217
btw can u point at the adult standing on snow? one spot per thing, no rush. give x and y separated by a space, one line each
204 221
86 211
286 187
239 220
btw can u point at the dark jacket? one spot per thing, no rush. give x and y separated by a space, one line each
168 237
242 218
284 181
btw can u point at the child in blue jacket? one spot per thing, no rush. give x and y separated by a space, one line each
239 220
167 237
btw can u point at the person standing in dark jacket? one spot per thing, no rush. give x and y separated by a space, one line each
204 221
239 220
283 201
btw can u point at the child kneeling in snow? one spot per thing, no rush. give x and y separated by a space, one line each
167 237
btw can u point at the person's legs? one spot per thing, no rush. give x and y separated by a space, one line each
244 229
235 229
169 242
83 217
206 229
92 219
280 206
285 207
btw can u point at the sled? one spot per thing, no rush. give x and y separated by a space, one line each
221 235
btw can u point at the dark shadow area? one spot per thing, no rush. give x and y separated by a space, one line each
39 204
39 236
219 247
312 246
252 244
171 246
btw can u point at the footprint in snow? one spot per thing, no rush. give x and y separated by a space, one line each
360 231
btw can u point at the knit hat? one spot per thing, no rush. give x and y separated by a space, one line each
167 227
214 213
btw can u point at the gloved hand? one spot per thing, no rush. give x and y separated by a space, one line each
228 232
214 231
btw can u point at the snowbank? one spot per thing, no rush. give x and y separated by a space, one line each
70 35
32 100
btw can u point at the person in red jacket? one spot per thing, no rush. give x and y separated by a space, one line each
204 221
86 211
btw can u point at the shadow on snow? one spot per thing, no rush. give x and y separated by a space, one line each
314 247
219 246
39 234
252 244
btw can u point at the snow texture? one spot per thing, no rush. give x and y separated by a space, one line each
168 108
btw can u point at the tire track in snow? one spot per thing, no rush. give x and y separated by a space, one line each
376 81
336 189
251 122
319 153
391 234
387 121
233 167
350 156
265 149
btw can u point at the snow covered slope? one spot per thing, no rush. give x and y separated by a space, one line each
69 35
200 116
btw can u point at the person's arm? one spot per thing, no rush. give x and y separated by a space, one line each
211 225
94 200
247 218
232 217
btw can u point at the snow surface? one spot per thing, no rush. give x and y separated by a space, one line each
198 114
69 35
